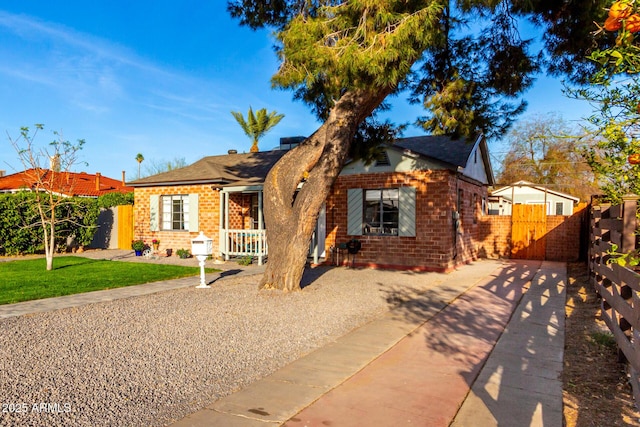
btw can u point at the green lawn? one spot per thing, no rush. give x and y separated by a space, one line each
27 280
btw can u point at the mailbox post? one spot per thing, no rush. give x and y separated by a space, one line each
202 248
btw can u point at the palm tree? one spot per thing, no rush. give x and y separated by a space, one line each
256 126
139 159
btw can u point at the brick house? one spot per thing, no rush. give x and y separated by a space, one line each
417 207
218 195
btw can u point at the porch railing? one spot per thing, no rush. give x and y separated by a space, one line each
245 243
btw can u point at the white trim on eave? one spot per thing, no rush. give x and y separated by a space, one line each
537 187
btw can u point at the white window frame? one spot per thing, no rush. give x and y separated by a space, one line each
385 196
168 214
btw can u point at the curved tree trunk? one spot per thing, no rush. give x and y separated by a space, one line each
291 213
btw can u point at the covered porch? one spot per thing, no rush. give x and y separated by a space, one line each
242 227
242 231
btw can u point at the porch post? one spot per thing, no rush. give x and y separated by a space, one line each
261 228
226 226
314 242
221 233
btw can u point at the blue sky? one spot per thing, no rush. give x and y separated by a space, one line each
158 78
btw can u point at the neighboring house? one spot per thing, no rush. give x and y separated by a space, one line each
68 184
498 205
524 192
80 184
415 208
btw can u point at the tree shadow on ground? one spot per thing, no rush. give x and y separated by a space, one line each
466 330
311 275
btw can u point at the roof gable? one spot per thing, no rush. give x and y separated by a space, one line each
469 157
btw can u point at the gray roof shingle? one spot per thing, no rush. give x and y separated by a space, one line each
444 148
228 169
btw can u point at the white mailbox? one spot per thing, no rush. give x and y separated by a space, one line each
202 248
201 245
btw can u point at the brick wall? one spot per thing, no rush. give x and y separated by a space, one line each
470 214
495 236
208 216
239 211
563 238
433 246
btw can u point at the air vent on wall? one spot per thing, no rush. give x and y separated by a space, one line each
383 160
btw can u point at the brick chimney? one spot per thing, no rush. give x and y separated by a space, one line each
123 181
97 181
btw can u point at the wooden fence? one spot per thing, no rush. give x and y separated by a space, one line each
618 286
125 226
115 228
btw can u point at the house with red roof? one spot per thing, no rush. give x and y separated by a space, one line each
113 231
64 183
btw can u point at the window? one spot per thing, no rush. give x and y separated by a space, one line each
381 211
559 208
175 212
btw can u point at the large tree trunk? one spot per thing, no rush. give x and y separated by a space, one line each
291 213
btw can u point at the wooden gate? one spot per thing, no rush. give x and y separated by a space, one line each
528 231
125 226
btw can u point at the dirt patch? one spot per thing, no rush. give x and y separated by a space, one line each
596 390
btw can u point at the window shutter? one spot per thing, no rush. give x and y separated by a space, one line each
354 212
193 212
407 212
154 212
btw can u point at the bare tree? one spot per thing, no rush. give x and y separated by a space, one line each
544 149
51 184
159 166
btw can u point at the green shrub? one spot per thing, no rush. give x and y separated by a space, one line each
245 260
183 253
110 200
603 339
21 231
18 213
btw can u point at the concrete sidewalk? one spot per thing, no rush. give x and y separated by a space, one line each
483 349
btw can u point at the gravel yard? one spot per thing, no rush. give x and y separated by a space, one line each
152 360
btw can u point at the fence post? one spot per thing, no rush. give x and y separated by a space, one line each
629 223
